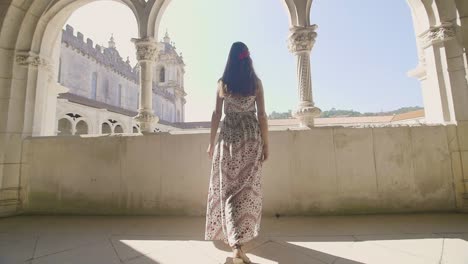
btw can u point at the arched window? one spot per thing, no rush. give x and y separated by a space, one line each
106 128
118 129
162 74
81 128
94 79
64 127
135 129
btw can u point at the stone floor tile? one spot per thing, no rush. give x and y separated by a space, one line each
325 248
347 261
369 252
426 246
54 243
131 246
92 254
273 252
16 248
455 250
220 251
174 252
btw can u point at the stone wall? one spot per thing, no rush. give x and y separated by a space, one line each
329 170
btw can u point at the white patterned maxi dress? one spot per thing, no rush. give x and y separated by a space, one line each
234 196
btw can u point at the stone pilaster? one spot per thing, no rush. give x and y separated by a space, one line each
146 50
301 41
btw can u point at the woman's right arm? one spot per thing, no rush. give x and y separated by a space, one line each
262 119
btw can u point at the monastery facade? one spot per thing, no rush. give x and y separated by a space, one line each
101 89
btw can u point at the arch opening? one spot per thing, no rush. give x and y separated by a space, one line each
81 128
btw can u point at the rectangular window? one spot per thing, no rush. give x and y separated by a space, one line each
59 79
119 96
138 101
94 86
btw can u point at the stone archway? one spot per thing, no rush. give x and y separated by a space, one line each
81 127
36 53
45 52
106 128
65 127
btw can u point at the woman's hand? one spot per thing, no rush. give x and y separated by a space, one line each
265 152
210 151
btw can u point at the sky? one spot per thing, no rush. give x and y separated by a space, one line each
359 62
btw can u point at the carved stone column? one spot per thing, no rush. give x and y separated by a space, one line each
440 68
46 92
301 41
146 56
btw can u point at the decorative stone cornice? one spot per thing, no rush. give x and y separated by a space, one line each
147 49
302 38
437 34
29 58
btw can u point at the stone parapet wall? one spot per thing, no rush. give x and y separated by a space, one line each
326 170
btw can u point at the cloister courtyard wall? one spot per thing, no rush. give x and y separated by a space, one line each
329 170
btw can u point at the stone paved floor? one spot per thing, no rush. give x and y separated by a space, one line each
419 238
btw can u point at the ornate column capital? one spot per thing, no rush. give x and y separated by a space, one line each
32 59
146 119
302 38
29 58
437 34
146 49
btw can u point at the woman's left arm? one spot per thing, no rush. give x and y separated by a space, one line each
215 119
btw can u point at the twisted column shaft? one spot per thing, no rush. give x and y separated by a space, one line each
301 41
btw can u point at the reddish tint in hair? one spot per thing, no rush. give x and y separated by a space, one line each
239 76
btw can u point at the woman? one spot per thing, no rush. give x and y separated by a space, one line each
235 199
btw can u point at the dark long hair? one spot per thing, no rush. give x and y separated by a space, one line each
239 75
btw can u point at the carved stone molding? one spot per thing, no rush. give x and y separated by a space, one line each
302 38
147 49
307 114
437 34
29 58
146 119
